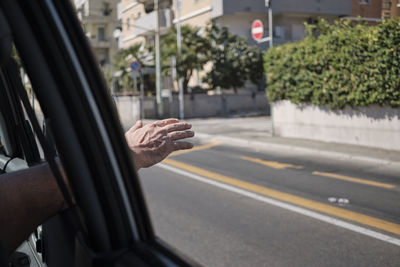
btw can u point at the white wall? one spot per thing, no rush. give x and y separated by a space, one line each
196 106
373 126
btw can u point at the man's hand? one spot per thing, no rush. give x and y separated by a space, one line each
154 142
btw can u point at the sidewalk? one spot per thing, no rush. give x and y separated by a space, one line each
256 132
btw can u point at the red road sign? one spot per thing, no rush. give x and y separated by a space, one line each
257 29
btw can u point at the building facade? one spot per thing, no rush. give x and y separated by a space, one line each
390 9
288 17
99 21
368 10
138 26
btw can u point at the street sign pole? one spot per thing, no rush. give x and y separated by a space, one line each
135 67
134 85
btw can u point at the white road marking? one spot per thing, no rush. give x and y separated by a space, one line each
312 214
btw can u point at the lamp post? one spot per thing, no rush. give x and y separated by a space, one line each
158 60
179 45
270 29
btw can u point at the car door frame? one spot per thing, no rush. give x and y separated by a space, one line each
23 149
113 221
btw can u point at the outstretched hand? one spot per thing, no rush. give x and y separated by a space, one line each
155 141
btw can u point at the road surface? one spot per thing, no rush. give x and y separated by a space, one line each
227 206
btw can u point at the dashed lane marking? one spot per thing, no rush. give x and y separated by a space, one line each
353 179
273 164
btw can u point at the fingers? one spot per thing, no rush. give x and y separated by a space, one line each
182 145
137 125
165 122
180 135
181 126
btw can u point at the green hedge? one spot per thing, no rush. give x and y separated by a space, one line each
344 65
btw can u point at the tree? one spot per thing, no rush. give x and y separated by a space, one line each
338 65
234 61
194 52
125 57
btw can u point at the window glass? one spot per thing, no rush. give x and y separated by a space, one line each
387 5
101 33
233 200
12 120
5 148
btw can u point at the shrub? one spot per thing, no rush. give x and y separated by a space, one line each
338 65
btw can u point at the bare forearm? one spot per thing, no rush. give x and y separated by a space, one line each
27 198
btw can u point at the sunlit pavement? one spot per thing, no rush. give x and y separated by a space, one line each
227 205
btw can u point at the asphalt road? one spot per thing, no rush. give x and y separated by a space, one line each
227 206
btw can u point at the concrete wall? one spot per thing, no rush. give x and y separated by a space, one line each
128 109
196 106
373 126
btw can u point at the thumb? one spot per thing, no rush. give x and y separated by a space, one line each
137 126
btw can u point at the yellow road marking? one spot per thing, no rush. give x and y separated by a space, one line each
197 148
299 201
273 164
353 179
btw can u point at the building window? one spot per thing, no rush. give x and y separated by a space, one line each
128 23
387 5
101 36
364 2
398 3
386 15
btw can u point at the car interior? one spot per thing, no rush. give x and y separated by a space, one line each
107 223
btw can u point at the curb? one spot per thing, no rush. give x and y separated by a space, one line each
267 146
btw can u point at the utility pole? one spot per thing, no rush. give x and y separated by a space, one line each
158 60
179 44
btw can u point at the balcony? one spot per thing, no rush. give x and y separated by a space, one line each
151 2
94 18
145 25
96 43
